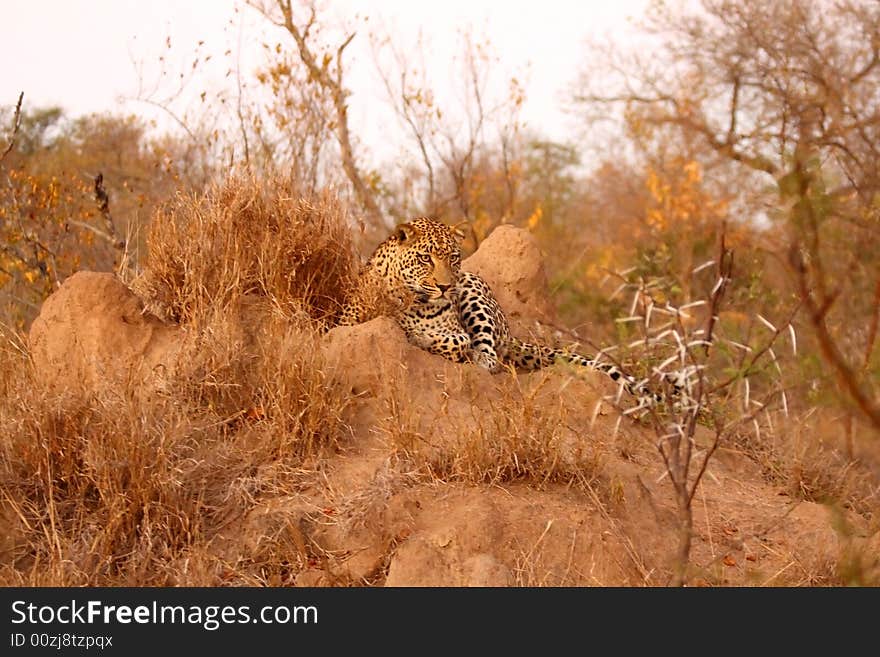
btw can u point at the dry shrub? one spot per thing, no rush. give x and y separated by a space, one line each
248 237
127 489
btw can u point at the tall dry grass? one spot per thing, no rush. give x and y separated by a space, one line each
805 455
248 237
124 488
118 488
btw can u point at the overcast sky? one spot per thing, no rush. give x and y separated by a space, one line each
83 55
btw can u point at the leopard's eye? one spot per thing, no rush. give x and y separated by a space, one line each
425 258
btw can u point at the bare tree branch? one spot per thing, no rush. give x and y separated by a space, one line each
333 84
847 376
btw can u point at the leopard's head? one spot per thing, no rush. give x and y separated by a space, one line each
428 257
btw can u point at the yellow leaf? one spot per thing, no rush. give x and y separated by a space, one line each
535 218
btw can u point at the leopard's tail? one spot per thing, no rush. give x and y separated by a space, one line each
529 356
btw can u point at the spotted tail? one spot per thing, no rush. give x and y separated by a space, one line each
528 356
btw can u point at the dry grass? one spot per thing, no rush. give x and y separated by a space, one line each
522 430
803 455
247 237
121 489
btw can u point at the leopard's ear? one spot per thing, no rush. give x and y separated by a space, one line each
459 229
405 232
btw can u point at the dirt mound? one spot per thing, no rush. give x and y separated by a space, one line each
453 476
94 333
483 537
510 260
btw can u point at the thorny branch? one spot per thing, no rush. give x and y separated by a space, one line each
693 395
792 99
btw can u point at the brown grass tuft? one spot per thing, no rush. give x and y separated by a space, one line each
804 455
248 237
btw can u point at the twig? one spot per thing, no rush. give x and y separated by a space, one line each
872 331
756 356
704 465
103 201
16 125
725 272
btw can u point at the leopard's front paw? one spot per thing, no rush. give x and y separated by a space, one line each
487 361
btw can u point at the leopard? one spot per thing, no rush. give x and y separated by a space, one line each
416 273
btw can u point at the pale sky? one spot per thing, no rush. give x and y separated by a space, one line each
82 54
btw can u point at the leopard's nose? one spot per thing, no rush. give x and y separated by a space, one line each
443 287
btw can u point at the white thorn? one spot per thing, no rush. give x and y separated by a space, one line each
702 267
632 308
633 409
738 345
765 322
664 333
596 411
618 291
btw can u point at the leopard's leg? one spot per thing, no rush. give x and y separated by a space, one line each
350 315
479 315
434 327
452 346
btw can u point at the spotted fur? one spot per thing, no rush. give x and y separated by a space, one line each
453 313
